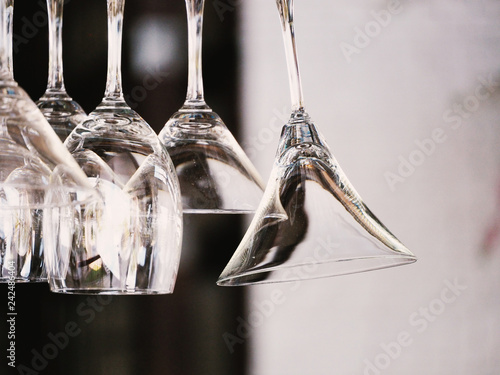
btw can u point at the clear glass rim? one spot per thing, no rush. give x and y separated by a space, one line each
219 211
388 261
110 291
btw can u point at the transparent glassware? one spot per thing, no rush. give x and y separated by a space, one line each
130 242
311 222
33 164
60 110
215 174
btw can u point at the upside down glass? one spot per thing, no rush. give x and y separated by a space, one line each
130 242
311 222
33 165
215 174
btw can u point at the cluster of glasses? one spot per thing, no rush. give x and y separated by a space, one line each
94 203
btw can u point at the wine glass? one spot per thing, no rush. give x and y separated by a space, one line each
34 165
215 174
60 110
130 242
311 222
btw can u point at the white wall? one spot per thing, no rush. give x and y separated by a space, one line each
373 110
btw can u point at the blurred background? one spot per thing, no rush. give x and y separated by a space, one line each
407 94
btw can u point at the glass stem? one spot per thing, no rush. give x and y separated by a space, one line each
194 10
115 29
6 15
55 11
285 9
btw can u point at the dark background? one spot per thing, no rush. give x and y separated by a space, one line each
124 335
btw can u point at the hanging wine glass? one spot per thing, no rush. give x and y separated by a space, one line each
60 110
311 222
129 244
34 165
215 174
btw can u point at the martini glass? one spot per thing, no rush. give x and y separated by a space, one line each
311 222
215 174
34 165
60 110
130 243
